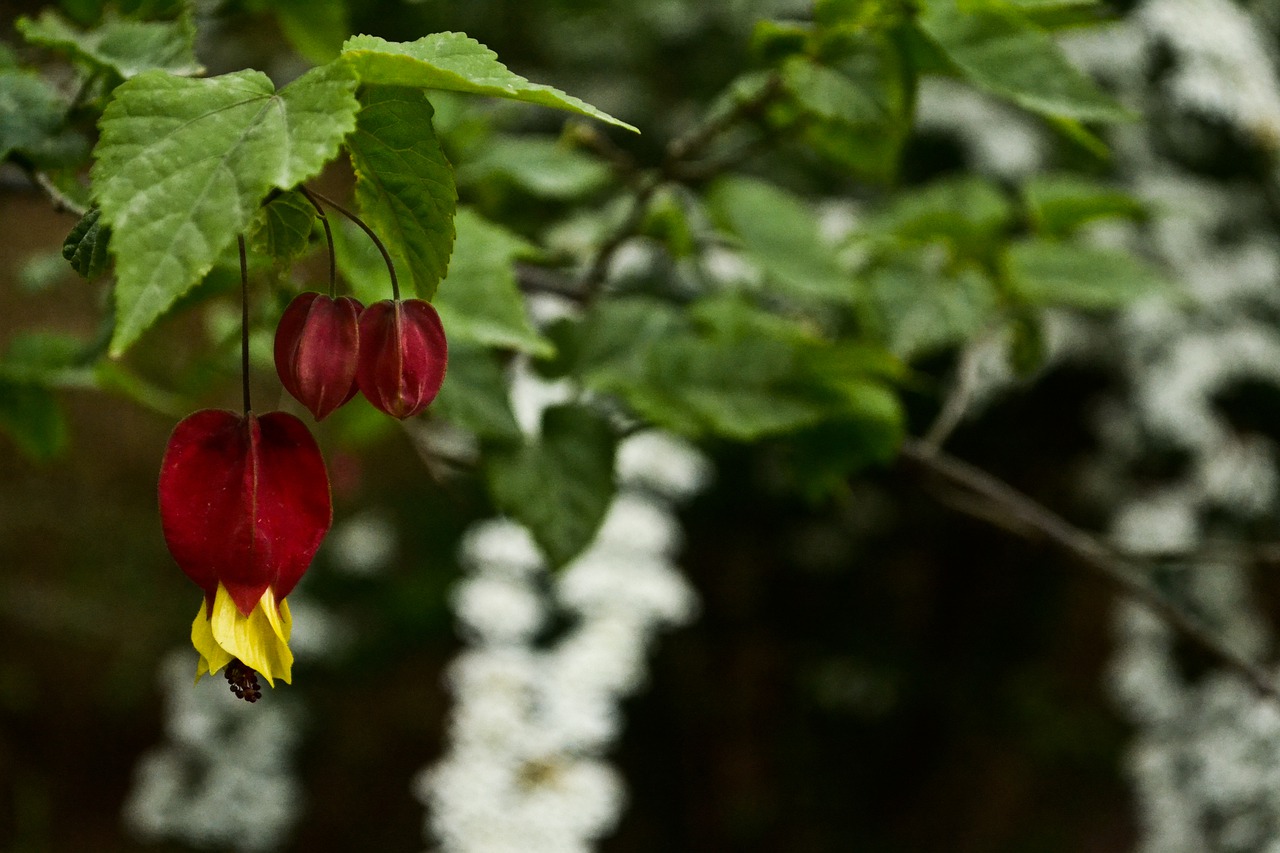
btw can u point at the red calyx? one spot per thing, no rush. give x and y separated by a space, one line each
244 501
317 344
402 356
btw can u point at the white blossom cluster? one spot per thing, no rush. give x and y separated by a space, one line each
223 777
1205 758
549 657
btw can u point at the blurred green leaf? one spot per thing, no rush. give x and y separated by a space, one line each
1044 273
966 210
1001 51
31 417
127 47
780 234
404 184
456 63
774 41
560 485
542 167
30 111
315 28
281 229
480 301
724 369
1060 203
216 146
916 311
476 395
852 108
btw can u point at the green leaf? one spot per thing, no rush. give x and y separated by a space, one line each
182 166
736 372
30 111
282 228
86 245
999 50
456 63
561 486
1060 203
315 28
127 47
476 395
31 417
404 184
480 302
779 233
1044 273
538 165
915 311
853 108
966 210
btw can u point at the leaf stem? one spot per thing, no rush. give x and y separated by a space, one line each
386 256
328 236
244 324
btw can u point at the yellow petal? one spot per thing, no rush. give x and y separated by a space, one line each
260 640
212 656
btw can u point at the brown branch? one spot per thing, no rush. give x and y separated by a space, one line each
998 502
679 153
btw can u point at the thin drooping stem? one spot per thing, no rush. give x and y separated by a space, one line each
991 499
328 236
386 256
244 324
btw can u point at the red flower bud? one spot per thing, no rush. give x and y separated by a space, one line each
244 501
402 356
317 344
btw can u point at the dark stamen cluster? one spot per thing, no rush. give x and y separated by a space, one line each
243 681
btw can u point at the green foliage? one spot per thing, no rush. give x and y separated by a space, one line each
31 112
119 45
455 63
723 368
182 166
1060 203
777 231
86 246
404 184
917 311
475 395
1045 273
542 167
481 303
811 361
315 28
998 49
281 229
560 485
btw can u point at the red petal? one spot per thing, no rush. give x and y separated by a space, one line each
316 347
243 501
403 355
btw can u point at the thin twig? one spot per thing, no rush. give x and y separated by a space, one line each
679 153
1034 519
62 203
956 405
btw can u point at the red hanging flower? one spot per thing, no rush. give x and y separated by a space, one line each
244 503
402 356
316 347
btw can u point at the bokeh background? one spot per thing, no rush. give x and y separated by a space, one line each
874 672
